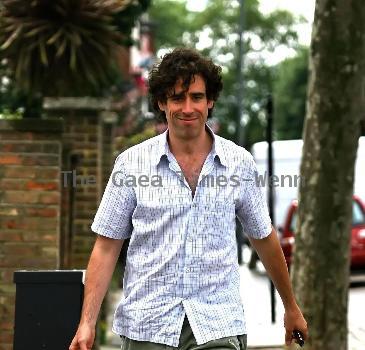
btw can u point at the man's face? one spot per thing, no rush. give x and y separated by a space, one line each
187 111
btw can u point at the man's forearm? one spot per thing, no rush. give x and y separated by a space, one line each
272 257
98 275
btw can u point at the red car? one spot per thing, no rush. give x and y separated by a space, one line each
357 233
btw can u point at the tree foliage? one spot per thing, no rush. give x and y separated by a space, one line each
15 103
62 48
290 92
170 19
55 46
218 25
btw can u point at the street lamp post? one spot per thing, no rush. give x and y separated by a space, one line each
240 85
270 157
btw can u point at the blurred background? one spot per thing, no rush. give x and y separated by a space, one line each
74 94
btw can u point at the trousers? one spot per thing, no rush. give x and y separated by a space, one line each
187 342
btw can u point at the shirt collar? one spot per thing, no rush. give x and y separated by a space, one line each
163 149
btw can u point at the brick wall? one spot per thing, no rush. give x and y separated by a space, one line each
30 160
107 154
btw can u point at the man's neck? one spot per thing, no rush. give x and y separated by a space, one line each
190 147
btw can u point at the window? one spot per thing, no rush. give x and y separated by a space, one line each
293 223
358 216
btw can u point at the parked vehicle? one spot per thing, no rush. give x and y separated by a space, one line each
287 156
287 238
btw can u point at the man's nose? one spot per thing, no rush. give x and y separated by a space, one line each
187 106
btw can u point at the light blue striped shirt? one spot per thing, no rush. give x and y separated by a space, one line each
182 255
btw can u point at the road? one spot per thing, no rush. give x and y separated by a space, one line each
256 299
356 314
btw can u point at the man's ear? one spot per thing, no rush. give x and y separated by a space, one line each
210 104
161 106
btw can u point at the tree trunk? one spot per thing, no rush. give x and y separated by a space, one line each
334 110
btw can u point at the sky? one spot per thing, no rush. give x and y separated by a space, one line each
303 8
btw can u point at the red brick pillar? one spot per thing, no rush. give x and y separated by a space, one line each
84 161
30 165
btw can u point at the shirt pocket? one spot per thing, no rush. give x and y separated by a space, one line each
220 225
223 214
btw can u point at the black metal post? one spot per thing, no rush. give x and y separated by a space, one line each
240 84
270 121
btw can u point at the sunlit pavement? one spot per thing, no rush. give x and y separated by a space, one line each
255 294
356 314
262 334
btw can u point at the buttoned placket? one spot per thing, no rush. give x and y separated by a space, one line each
189 239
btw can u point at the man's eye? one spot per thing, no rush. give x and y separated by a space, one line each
176 98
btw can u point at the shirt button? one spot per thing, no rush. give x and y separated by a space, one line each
194 205
187 270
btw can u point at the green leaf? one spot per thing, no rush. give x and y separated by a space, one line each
72 37
55 36
21 66
84 64
61 48
43 53
73 49
35 31
12 38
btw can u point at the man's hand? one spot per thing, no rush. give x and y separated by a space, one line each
294 320
272 257
98 275
84 338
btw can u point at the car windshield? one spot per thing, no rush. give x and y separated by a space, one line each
358 216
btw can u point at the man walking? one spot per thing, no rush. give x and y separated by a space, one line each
177 196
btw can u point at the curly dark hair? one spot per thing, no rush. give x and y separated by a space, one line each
183 63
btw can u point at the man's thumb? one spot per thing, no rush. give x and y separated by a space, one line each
288 338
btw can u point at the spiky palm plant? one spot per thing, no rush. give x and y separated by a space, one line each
60 47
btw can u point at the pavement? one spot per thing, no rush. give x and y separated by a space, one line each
262 334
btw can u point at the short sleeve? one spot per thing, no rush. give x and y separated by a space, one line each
252 209
113 218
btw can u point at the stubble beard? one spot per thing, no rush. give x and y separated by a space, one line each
189 131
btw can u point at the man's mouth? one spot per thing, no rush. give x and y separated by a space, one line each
187 119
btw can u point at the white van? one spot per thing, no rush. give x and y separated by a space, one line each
287 157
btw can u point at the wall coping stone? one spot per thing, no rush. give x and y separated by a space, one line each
76 103
49 276
53 125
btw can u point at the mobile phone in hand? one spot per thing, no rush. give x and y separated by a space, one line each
298 336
